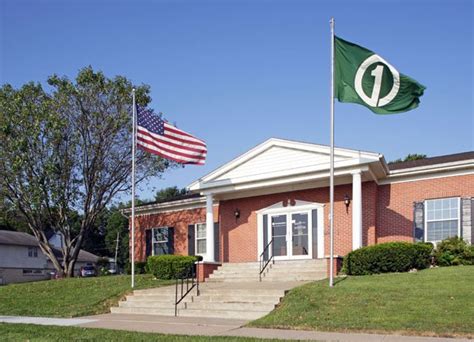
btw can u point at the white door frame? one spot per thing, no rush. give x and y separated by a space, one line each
300 206
289 234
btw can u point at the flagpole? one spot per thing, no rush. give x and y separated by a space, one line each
331 172
133 184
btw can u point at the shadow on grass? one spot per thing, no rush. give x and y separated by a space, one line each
340 279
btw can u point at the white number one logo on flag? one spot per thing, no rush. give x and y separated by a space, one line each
375 100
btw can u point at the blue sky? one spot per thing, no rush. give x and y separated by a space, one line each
236 73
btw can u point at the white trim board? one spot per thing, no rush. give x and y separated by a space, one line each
344 158
299 206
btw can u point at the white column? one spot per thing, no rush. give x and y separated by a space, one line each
356 210
210 255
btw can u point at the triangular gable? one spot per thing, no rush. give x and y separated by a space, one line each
277 159
277 156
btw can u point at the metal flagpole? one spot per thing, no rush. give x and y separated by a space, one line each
331 172
133 184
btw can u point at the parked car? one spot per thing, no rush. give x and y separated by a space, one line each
88 271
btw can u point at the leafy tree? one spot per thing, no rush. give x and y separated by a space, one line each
69 151
169 193
409 157
10 218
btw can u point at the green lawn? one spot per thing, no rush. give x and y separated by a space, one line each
69 297
431 302
30 332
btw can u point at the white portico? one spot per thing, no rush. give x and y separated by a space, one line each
283 166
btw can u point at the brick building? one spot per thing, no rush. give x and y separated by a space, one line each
278 192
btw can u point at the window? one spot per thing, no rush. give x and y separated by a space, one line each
160 241
442 219
33 252
201 238
30 272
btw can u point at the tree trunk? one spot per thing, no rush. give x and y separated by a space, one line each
69 268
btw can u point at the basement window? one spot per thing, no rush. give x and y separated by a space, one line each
442 219
32 272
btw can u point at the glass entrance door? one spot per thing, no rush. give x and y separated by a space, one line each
291 235
300 234
278 229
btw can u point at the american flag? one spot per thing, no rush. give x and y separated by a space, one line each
159 137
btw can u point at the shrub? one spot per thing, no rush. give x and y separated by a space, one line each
388 257
140 267
170 266
454 251
103 265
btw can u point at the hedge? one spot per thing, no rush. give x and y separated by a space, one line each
170 266
140 267
388 257
454 251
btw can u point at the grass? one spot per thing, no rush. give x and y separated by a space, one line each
434 302
30 332
69 297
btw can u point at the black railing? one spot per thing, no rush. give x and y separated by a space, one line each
264 263
185 283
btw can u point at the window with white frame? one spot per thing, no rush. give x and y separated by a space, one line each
442 219
33 252
160 241
200 238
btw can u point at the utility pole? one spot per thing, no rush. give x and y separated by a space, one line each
116 250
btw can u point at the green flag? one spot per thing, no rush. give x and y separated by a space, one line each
363 77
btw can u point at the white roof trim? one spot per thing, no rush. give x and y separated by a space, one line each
278 206
189 203
357 158
464 167
469 163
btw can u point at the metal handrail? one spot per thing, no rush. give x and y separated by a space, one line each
191 279
264 263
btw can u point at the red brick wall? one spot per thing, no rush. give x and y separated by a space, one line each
177 219
239 237
387 216
395 203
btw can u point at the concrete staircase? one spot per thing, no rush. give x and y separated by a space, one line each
232 291
280 271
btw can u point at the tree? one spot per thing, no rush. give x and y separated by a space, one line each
169 193
69 151
409 157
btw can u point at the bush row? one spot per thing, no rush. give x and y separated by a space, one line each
171 266
165 266
404 256
388 257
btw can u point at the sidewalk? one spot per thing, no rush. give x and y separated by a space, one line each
211 327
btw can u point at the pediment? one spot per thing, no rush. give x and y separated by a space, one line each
277 158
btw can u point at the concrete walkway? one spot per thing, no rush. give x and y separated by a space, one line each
211 327
65 322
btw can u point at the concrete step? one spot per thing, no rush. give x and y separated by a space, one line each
155 299
294 278
225 279
299 272
219 298
235 306
143 311
234 314
158 290
148 304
